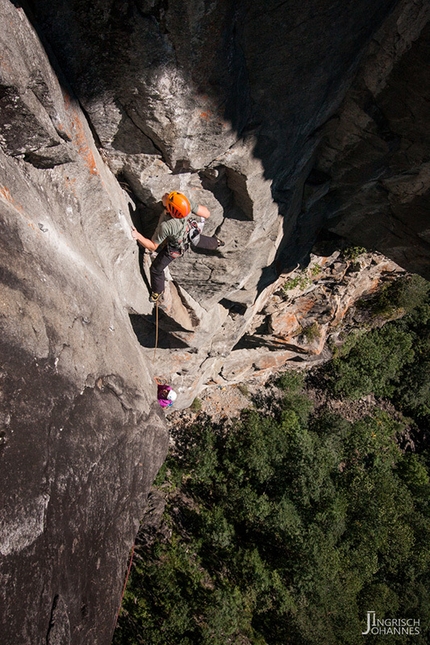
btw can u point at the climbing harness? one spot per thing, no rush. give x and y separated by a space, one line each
191 236
175 251
193 233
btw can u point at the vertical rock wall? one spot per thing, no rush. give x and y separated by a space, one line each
80 437
375 152
239 104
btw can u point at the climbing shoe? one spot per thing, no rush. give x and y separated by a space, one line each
154 297
219 242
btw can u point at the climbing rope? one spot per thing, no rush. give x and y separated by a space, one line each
125 583
156 329
165 394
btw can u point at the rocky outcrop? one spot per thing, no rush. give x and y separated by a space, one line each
249 108
308 310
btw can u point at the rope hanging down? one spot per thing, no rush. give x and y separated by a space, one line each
156 329
165 394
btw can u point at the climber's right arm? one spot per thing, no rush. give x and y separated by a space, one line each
144 241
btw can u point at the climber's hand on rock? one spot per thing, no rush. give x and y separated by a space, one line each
134 233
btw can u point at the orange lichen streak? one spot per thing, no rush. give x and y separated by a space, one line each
80 137
7 197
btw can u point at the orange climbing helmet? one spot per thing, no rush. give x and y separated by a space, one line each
178 205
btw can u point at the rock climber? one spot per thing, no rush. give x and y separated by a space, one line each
175 232
166 395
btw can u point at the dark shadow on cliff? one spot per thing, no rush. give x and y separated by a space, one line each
145 329
274 71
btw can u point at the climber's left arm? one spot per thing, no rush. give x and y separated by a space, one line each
202 211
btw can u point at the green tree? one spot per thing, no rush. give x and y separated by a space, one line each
284 526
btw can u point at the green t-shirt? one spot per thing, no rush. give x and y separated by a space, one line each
171 229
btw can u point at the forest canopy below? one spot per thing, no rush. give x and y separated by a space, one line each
288 524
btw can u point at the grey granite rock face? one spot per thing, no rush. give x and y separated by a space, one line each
241 106
33 121
80 436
